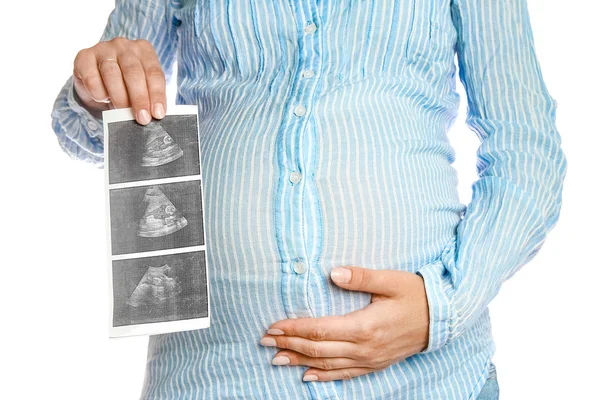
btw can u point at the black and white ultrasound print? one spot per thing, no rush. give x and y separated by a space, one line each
163 148
160 289
156 217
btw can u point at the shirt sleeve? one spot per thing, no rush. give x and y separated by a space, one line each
521 167
79 133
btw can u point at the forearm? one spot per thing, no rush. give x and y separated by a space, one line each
517 199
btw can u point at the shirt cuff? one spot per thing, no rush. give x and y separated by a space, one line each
93 124
439 291
80 134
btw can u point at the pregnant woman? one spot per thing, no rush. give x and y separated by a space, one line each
342 263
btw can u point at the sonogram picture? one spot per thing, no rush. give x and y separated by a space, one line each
157 264
159 146
160 216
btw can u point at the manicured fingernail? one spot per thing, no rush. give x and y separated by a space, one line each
143 117
268 341
308 378
159 110
275 331
280 360
341 275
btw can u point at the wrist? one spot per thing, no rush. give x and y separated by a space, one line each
439 300
95 111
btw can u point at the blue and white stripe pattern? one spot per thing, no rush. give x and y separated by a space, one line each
359 106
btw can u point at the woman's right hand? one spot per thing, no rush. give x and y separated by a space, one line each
121 73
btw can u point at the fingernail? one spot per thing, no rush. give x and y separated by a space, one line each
159 110
275 331
280 360
268 341
143 117
308 378
341 275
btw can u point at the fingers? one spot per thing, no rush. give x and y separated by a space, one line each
386 282
349 328
288 357
335 374
112 77
156 82
137 90
125 73
313 349
86 73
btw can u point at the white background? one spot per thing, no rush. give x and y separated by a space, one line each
54 285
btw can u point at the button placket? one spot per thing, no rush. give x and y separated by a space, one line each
296 219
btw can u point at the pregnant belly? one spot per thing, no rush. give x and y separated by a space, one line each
388 207
365 195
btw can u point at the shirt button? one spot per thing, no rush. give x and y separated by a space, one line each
308 73
300 110
299 267
310 28
295 177
92 125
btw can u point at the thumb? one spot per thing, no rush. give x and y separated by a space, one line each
384 282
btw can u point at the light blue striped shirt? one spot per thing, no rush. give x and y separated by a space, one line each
359 107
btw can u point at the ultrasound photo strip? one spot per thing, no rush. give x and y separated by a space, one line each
158 274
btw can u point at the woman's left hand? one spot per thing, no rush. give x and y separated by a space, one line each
394 326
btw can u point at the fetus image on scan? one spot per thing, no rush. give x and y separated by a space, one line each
160 148
161 218
155 288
